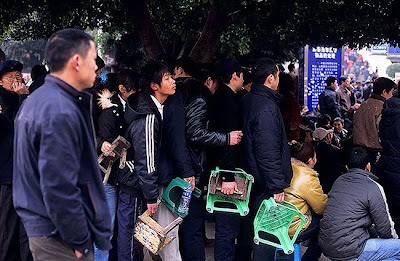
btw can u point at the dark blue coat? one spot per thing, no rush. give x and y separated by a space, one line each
57 182
329 103
265 149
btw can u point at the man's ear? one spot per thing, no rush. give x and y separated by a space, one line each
74 62
368 167
121 88
154 86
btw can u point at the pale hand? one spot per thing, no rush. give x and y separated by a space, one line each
19 88
279 197
106 149
190 180
229 188
235 137
78 254
152 208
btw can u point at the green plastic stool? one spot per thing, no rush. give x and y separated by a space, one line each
240 200
275 218
173 193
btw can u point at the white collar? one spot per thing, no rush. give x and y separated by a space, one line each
159 106
122 101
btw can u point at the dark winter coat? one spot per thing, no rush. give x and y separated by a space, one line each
329 102
58 189
111 125
224 118
355 203
144 134
265 149
389 131
9 103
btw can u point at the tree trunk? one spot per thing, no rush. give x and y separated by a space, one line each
139 11
208 43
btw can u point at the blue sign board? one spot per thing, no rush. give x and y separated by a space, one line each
322 62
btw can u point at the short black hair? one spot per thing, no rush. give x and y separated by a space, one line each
225 68
152 72
129 79
2 56
263 68
330 80
381 84
63 44
37 71
291 67
343 79
188 65
358 158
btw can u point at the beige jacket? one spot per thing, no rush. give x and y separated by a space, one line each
305 192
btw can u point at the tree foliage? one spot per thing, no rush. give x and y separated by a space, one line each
392 69
246 29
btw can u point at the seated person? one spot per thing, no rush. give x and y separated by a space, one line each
339 133
305 192
356 209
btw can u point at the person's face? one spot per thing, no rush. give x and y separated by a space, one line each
338 126
346 83
211 84
387 95
89 67
177 72
9 79
334 85
167 86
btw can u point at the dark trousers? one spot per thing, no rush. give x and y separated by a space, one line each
227 227
53 249
191 233
129 208
313 251
245 243
13 240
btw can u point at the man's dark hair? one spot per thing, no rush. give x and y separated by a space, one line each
2 56
343 79
262 69
291 67
358 158
37 71
381 84
152 72
188 65
129 79
323 120
330 80
225 68
63 44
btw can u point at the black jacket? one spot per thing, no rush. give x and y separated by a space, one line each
355 202
265 149
389 131
198 136
144 134
175 160
57 183
9 103
224 118
329 103
111 125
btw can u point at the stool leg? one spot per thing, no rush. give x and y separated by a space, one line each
297 253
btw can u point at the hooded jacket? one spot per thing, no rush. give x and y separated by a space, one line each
144 133
355 202
265 148
305 192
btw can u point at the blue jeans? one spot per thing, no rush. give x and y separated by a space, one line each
380 249
111 194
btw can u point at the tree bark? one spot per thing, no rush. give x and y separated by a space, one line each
208 42
139 11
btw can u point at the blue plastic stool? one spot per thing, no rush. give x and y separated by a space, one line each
295 256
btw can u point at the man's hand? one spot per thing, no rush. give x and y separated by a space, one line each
152 208
235 137
279 197
19 88
229 188
190 180
78 254
106 149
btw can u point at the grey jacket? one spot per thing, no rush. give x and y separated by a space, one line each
356 204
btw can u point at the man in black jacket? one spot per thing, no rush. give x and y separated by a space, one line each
329 100
12 93
58 191
225 118
265 149
356 224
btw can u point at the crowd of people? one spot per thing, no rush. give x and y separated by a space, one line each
184 121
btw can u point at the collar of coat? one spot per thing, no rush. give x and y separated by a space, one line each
362 172
377 97
260 89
